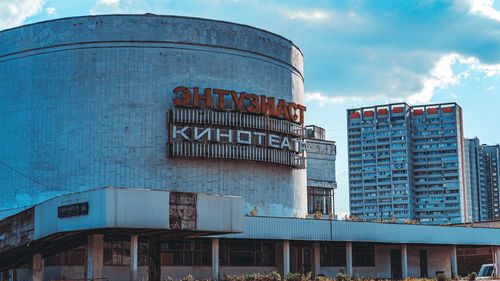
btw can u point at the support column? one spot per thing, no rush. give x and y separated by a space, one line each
453 255
37 267
348 258
215 258
5 275
404 261
496 259
316 259
154 272
95 251
286 257
134 256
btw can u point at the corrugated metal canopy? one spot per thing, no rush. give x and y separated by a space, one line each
333 230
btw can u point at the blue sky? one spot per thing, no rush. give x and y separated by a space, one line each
357 53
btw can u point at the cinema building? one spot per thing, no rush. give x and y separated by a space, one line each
136 147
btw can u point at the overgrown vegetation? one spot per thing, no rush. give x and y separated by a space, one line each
275 276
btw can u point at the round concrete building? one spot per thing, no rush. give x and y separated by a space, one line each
157 102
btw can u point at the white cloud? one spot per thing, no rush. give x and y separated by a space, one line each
490 70
109 2
302 15
51 11
14 13
485 8
106 7
442 75
450 69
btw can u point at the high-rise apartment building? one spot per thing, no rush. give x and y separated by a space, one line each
482 164
475 180
491 159
406 162
379 153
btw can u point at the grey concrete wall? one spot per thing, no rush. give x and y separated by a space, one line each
321 157
63 272
84 103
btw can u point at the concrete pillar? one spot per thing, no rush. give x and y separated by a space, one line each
316 259
215 258
496 259
404 261
348 258
134 256
286 257
95 251
5 275
37 267
453 255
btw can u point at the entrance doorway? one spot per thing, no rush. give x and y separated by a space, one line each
300 258
396 265
423 264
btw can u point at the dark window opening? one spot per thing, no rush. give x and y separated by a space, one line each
69 257
363 255
319 200
117 252
247 253
186 252
333 254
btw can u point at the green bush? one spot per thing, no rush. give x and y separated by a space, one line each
442 277
342 277
321 278
188 278
472 276
252 277
234 278
273 276
298 277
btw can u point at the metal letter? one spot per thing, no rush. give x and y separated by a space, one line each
229 135
198 136
259 137
273 141
248 139
285 143
180 132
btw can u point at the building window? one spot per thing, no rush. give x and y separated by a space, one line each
117 252
186 252
319 200
68 258
363 255
247 253
332 254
